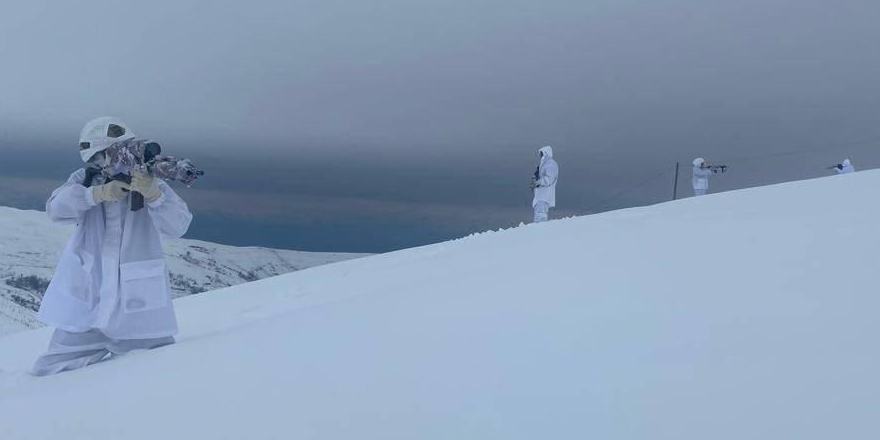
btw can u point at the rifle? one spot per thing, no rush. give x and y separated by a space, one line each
145 156
718 168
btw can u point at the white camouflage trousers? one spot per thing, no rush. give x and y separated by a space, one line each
69 351
542 210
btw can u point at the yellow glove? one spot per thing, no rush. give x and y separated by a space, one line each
145 184
112 191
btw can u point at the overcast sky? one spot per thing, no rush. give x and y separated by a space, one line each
369 126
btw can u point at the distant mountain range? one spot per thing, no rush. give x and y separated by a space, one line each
30 246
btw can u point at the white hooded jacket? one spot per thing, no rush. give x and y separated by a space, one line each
112 275
846 167
701 175
548 174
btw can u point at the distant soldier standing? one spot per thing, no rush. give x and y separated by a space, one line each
544 185
702 171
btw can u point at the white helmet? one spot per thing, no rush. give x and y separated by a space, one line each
699 161
101 133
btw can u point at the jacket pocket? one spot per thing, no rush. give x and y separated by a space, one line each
143 286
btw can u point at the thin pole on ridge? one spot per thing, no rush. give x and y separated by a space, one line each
675 183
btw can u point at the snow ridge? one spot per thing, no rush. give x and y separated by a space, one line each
744 315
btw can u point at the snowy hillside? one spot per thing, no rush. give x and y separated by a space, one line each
30 246
745 315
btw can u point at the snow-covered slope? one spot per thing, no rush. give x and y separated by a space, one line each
30 245
746 315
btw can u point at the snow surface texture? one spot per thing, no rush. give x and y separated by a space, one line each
30 246
744 315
